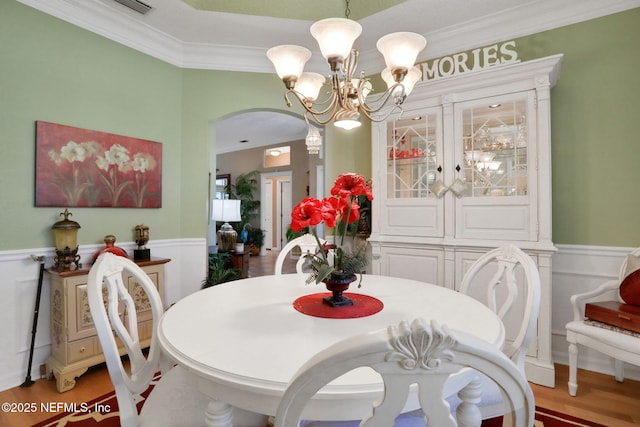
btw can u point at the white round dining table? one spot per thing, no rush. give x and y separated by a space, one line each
243 341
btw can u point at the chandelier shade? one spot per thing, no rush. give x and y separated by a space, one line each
347 119
335 36
350 97
289 60
412 77
309 85
400 50
313 141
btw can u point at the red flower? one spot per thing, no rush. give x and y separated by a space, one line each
307 212
351 184
354 215
342 206
330 210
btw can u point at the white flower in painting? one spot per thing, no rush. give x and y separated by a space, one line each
102 163
55 157
117 155
92 148
71 183
143 162
73 152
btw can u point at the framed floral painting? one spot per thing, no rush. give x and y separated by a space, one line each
87 168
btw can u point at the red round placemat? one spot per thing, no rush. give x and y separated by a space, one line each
363 305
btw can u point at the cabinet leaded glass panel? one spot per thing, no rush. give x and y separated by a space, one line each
495 149
412 156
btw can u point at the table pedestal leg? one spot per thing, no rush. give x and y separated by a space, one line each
468 413
219 414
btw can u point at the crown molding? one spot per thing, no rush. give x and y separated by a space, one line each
123 28
114 24
532 18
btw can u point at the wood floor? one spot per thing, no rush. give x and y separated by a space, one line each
600 398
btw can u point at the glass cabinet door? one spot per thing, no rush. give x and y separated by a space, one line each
494 147
413 155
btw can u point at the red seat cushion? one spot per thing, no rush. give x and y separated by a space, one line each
630 288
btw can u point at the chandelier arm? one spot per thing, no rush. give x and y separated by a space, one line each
330 110
318 119
286 99
352 63
340 92
383 100
395 108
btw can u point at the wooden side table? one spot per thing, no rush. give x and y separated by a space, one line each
240 260
74 342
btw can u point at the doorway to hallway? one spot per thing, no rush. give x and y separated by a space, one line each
275 207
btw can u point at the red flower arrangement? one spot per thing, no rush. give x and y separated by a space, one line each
337 212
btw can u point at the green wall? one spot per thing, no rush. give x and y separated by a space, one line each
594 114
208 97
53 71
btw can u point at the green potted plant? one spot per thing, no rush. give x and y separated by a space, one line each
244 188
218 271
255 240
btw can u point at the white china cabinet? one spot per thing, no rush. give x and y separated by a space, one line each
466 168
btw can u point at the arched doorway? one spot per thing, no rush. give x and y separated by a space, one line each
239 143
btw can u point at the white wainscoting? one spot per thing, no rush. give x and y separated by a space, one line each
578 269
183 276
575 269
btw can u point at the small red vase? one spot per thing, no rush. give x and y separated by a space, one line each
110 246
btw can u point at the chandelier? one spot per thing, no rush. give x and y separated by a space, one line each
313 141
348 97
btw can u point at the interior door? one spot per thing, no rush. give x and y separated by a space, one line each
284 209
266 209
275 207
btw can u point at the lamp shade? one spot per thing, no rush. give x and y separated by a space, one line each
409 81
288 60
225 210
335 36
313 141
347 119
309 85
400 50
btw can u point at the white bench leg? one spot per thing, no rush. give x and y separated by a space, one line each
619 370
573 369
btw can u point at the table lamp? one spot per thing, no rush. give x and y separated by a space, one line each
66 237
226 211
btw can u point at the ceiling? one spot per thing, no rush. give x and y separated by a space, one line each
258 128
235 35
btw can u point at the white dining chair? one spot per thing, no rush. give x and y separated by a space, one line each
307 244
618 344
507 280
504 266
410 353
173 401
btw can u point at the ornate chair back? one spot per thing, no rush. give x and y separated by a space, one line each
307 244
404 355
